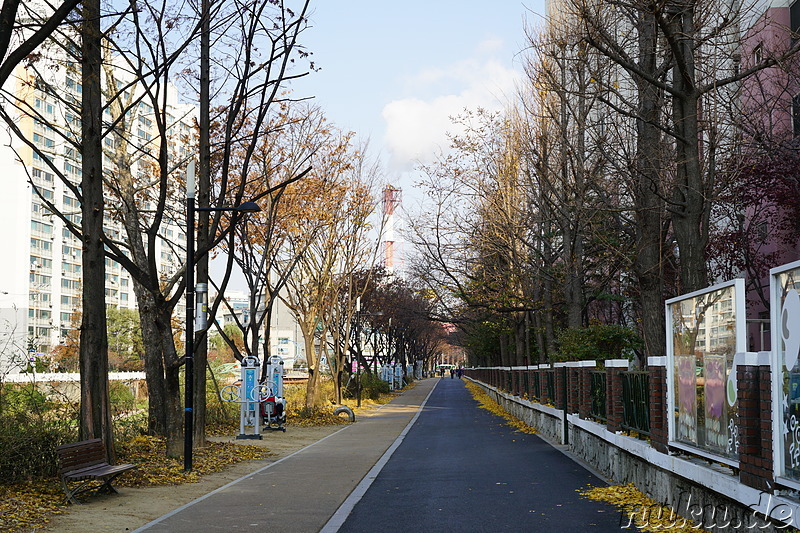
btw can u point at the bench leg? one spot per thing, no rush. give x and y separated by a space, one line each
107 487
71 493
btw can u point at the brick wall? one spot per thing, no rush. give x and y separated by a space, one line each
614 412
659 429
755 427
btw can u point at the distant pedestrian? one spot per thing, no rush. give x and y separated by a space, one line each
459 372
452 373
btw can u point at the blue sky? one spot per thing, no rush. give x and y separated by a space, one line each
394 71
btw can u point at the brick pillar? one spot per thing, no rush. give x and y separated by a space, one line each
585 388
543 383
573 386
614 393
526 383
560 385
659 410
754 382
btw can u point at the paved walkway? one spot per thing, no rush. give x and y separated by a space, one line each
450 466
302 491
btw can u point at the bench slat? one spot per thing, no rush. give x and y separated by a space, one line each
100 471
81 454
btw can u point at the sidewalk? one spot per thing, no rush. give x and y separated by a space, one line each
301 492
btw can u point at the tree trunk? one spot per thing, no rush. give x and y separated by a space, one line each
313 369
504 355
172 389
95 412
569 216
153 361
648 197
519 338
689 195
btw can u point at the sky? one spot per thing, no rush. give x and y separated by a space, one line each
394 72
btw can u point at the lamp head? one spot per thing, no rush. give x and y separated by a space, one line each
248 207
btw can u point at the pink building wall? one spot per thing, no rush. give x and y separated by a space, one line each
767 120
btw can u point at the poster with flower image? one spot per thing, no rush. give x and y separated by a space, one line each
716 412
687 398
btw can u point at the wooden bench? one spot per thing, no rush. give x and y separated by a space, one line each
84 462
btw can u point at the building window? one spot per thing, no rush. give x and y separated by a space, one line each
41 140
796 115
74 85
762 231
42 175
47 194
41 228
794 20
758 53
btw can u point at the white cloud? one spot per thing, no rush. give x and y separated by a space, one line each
417 126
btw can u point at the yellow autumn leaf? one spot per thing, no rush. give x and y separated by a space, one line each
644 512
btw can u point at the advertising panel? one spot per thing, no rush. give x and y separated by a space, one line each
785 315
705 330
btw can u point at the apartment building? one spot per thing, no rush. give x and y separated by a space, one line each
41 276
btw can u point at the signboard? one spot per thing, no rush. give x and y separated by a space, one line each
705 330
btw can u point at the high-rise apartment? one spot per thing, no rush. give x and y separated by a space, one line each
40 275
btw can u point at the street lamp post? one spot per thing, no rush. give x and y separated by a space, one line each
358 351
246 207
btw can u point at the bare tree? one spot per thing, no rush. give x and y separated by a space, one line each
684 55
138 89
337 199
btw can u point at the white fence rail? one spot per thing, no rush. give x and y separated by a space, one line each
64 377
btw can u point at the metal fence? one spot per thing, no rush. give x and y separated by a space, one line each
550 383
598 395
636 402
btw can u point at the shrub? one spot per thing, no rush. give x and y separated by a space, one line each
31 427
597 343
15 399
121 398
372 386
28 451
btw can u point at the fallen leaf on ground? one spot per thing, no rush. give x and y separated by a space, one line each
486 402
645 513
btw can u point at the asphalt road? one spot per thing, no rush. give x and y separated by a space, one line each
461 468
